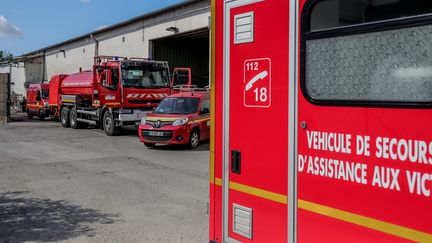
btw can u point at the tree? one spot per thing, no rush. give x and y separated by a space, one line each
5 55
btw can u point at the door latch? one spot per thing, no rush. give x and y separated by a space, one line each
235 162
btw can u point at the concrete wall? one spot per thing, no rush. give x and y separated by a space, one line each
132 40
4 98
17 77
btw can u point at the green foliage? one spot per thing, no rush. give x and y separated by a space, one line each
5 55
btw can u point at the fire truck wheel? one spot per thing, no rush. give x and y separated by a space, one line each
64 117
73 116
41 115
194 139
109 124
150 145
29 115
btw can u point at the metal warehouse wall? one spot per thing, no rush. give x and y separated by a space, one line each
4 98
132 40
70 59
17 77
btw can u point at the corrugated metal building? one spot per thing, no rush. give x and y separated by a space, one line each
178 34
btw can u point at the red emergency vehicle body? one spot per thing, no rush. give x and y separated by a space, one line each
322 121
37 101
168 127
117 92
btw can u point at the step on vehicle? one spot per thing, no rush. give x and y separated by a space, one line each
181 119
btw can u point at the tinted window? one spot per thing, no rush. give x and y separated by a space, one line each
45 93
327 14
205 106
371 64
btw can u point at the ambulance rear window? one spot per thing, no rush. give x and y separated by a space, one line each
360 52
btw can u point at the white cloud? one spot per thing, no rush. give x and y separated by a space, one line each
7 29
101 27
84 1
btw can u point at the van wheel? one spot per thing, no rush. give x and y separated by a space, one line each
150 145
73 117
194 139
109 124
64 117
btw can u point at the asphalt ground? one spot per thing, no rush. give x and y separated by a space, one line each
64 185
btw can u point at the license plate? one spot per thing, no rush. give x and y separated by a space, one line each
157 134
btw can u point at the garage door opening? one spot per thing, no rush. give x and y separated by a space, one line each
189 49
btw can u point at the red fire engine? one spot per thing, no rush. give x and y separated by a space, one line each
321 121
37 101
117 92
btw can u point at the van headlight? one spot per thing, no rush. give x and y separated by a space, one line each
143 120
180 122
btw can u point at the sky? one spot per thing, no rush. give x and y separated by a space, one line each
28 25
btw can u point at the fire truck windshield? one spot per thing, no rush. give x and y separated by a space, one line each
145 78
45 93
179 105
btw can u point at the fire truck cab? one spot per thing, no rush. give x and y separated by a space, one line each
321 121
37 101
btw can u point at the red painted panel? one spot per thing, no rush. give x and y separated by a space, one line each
269 218
259 117
364 195
317 228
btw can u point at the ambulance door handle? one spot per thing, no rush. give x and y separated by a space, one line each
235 162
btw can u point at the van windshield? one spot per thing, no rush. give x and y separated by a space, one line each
179 105
145 78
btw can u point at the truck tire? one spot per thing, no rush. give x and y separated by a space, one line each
29 115
109 124
73 116
41 115
64 117
194 139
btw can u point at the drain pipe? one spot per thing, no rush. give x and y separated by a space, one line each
96 44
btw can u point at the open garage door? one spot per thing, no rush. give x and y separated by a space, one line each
189 49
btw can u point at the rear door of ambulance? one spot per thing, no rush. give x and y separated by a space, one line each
255 117
365 121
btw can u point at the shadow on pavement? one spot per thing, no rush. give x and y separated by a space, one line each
34 219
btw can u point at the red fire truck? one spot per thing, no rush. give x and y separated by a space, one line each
322 122
37 101
117 92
